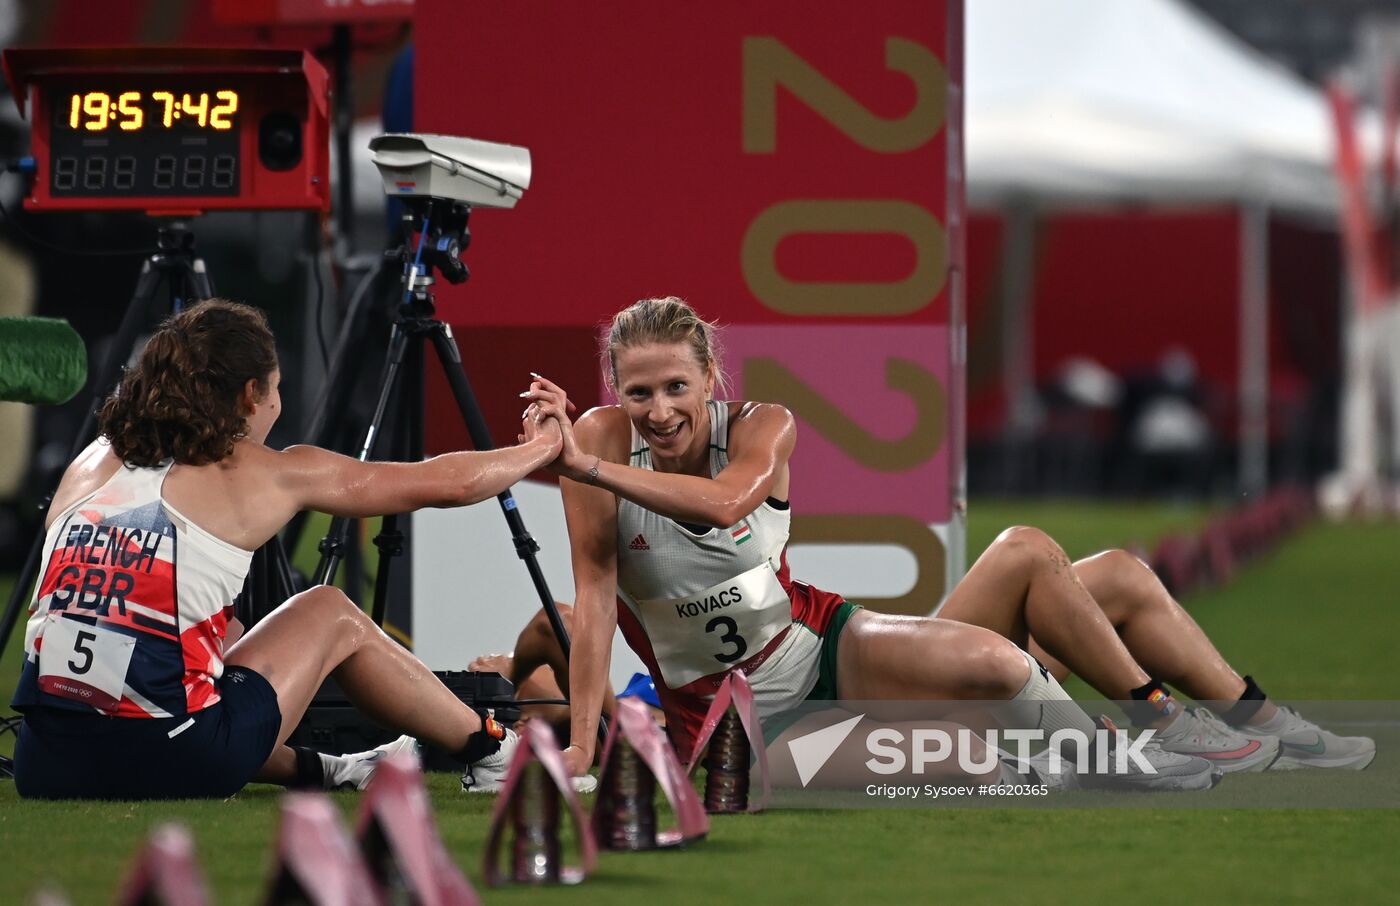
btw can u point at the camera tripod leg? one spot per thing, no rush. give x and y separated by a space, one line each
333 544
525 546
390 543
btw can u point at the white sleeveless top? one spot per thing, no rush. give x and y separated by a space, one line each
707 597
130 614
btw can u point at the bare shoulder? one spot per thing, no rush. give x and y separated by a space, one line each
748 419
90 471
295 456
293 465
605 431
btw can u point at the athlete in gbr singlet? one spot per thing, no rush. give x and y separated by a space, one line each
136 684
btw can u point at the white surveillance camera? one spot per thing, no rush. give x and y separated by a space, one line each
467 170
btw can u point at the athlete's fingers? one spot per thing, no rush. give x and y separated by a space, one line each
550 408
541 397
547 384
537 393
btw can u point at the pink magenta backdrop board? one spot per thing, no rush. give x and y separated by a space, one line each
791 168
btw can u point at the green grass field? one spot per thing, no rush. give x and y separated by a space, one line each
1315 620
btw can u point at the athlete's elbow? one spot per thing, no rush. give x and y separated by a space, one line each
728 513
455 491
470 492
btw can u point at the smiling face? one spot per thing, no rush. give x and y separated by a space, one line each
663 389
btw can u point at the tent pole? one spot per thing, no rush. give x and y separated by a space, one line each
1254 348
1018 343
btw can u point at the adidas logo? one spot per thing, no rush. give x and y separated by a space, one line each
639 543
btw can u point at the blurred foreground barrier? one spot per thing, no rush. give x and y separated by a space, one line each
528 806
735 739
165 873
400 844
637 759
317 864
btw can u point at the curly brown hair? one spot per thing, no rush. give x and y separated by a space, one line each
182 399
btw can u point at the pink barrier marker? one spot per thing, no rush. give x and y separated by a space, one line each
529 801
165 872
317 862
614 821
736 691
399 840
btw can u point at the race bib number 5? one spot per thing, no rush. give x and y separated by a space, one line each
84 663
718 627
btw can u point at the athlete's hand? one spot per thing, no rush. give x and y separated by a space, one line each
551 401
536 424
577 761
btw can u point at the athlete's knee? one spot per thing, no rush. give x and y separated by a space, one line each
541 627
329 606
1024 540
1118 580
993 669
1027 547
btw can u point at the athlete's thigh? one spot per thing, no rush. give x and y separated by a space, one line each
295 647
886 656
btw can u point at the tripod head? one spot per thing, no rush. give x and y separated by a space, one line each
439 178
442 236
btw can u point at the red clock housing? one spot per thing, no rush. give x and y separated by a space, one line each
174 130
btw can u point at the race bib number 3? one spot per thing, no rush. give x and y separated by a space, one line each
84 663
714 629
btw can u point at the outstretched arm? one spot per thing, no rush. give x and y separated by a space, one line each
317 479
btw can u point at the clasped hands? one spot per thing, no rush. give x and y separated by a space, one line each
547 416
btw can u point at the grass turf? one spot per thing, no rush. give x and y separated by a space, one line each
1311 621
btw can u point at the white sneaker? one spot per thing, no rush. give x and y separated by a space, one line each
354 771
1170 771
1058 781
1196 731
488 775
1306 745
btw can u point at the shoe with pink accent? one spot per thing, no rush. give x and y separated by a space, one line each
1196 731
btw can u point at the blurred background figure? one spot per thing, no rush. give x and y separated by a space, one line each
1167 443
1080 411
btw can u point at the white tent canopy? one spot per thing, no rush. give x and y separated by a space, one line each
1138 99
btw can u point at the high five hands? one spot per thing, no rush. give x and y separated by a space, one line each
548 411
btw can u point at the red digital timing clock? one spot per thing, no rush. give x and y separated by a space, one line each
174 130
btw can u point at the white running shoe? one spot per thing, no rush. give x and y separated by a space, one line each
1170 771
354 771
1306 745
1196 731
488 775
1057 781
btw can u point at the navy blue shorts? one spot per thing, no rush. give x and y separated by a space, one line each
70 755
